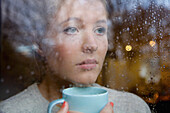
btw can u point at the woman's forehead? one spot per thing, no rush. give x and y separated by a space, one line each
88 9
74 4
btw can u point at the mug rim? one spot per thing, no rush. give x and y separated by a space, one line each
105 92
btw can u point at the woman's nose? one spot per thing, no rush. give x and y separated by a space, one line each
89 44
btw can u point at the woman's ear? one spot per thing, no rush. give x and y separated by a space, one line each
38 52
40 62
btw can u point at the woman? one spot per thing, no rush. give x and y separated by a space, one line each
74 48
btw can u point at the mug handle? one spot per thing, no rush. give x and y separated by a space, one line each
53 103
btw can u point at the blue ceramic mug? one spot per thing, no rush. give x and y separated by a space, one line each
85 100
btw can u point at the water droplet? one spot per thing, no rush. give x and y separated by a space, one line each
7 91
63 87
70 85
20 77
32 72
105 63
8 67
137 89
125 20
56 54
2 80
107 85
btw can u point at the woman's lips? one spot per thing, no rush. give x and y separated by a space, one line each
88 64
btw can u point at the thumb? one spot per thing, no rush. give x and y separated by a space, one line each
108 108
64 108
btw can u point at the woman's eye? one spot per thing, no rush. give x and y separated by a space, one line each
71 30
100 31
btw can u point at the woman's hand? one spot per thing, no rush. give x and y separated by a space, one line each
108 108
65 108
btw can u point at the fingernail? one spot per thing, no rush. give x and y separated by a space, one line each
111 103
63 104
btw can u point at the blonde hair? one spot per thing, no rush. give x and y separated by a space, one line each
54 5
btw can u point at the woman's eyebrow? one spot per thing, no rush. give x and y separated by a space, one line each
101 21
70 19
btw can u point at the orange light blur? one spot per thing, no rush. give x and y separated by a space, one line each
128 47
152 43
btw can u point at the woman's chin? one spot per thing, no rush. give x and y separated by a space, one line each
83 83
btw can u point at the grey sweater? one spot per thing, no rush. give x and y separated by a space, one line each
31 101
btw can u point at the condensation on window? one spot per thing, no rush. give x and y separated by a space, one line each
137 61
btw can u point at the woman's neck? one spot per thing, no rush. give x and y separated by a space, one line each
51 89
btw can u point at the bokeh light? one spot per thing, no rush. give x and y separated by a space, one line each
152 43
128 47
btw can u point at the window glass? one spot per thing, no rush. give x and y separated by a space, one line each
137 61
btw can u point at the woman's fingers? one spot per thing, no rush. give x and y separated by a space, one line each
74 112
64 108
108 108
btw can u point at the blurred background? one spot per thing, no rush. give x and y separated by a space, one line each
138 59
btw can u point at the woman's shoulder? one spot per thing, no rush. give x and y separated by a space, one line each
21 102
127 102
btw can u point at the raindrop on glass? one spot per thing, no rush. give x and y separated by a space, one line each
122 88
20 77
105 63
32 72
70 85
7 91
8 67
125 20
137 89
107 85
1 80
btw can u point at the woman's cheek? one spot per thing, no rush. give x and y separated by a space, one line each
104 47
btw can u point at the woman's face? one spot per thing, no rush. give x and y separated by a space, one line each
77 41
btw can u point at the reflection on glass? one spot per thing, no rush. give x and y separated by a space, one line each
138 60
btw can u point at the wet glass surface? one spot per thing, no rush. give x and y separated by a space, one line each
137 61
